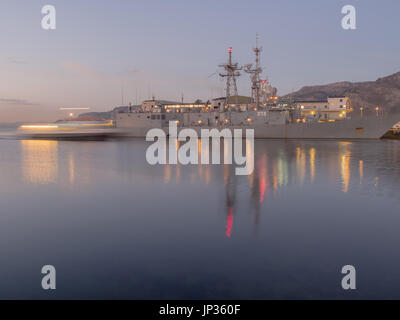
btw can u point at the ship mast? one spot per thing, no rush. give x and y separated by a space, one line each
255 75
231 72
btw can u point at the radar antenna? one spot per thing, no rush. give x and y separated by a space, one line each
255 75
231 72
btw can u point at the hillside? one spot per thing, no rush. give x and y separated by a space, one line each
384 92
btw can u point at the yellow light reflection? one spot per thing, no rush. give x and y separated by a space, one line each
226 173
167 173
301 164
208 175
199 149
345 170
39 161
250 156
177 173
280 172
312 164
200 171
71 166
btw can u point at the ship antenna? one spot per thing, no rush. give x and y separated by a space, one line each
255 74
231 72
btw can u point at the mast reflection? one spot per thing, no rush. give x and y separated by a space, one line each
230 190
278 166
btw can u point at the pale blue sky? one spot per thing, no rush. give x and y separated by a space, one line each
168 47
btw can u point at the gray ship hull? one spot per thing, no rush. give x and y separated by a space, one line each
358 128
371 127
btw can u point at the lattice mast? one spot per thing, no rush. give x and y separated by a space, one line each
255 75
231 72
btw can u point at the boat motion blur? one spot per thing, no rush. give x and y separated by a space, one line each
75 128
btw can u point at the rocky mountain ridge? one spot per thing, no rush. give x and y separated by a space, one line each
384 92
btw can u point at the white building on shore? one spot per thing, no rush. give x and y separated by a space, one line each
333 108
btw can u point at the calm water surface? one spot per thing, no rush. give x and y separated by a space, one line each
116 227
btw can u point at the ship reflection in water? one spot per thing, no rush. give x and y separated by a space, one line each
116 227
288 166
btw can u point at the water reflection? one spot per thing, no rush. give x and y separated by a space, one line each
230 192
300 164
39 161
345 158
262 170
283 176
167 173
280 165
259 187
229 223
71 168
312 164
311 206
345 170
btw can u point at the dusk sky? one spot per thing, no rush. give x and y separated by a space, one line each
170 47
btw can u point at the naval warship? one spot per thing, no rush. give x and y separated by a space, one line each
268 124
269 116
